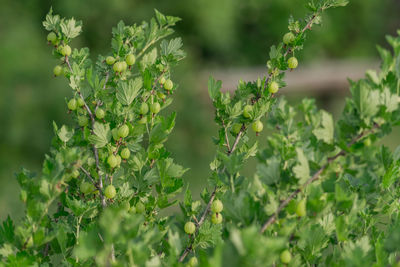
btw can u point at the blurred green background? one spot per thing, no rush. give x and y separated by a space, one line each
218 35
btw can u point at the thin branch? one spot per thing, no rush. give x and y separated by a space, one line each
315 177
98 187
226 136
289 49
189 248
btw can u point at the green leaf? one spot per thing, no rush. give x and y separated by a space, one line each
214 88
7 231
71 28
101 135
51 21
128 91
365 98
65 134
302 169
326 130
270 172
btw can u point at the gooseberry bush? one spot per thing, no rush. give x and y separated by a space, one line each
323 193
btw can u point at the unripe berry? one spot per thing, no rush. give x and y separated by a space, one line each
155 107
190 228
293 63
114 133
52 37
273 87
112 161
301 209
236 128
125 153
75 174
57 70
118 157
144 108
110 60
86 188
168 84
23 195
100 114
126 206
216 218
72 104
130 59
143 120
257 126
217 206
193 262
110 192
123 131
80 102
286 257
66 50
247 110
161 95
140 208
83 121
367 142
117 67
162 80
288 38
124 66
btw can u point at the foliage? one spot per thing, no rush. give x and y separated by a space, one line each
323 193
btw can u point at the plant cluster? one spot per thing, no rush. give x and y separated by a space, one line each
323 193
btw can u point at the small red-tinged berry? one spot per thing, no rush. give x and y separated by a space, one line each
125 153
66 50
273 87
292 63
110 192
193 262
155 107
257 126
100 113
112 161
83 120
301 209
216 218
130 59
288 38
190 228
168 85
217 206
72 104
162 80
58 70
110 60
144 108
286 257
52 37
123 131
247 110
140 208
